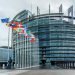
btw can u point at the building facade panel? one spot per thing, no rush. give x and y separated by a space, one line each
56 39
55 42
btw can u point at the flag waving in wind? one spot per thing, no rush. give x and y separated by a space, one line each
5 20
28 34
19 27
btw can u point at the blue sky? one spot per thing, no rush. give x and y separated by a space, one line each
9 8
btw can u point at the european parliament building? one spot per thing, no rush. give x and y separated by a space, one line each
55 40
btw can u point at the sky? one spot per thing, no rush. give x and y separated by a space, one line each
9 8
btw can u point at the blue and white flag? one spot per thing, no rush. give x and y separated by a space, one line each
5 20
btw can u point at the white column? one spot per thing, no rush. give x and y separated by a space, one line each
12 46
20 53
30 54
25 52
8 41
15 55
16 52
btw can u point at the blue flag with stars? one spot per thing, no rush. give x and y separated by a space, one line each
5 20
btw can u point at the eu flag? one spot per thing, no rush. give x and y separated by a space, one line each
5 20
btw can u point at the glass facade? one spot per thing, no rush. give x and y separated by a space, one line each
26 54
5 54
55 42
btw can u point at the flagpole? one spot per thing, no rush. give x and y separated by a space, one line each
25 52
49 8
30 54
8 41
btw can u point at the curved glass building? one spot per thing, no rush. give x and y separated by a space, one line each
56 40
26 54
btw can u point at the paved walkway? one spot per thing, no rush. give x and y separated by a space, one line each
12 72
49 72
37 72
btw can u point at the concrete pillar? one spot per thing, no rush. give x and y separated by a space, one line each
64 65
67 65
70 65
74 64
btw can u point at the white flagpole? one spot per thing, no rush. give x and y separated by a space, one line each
25 52
30 54
8 41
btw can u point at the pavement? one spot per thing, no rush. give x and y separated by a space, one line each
39 71
49 72
12 72
35 70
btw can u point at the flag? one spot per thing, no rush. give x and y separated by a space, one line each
25 25
12 25
25 31
20 30
28 34
5 20
8 24
16 25
20 25
32 38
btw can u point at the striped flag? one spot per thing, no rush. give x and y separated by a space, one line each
28 34
20 30
32 38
